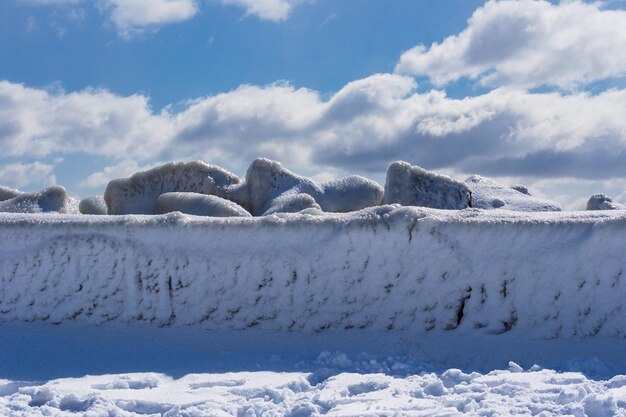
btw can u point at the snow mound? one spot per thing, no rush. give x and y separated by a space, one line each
7 193
268 184
603 202
93 205
292 203
410 185
139 193
488 194
199 205
52 199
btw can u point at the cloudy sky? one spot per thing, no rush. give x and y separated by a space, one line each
530 92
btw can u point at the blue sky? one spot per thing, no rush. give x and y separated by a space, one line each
522 91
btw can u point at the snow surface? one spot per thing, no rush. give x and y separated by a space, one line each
138 194
7 193
414 186
52 199
603 202
93 205
388 268
199 205
488 194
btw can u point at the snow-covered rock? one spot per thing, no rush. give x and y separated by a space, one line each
388 268
138 194
292 203
199 205
52 199
603 202
93 205
267 180
488 194
7 193
410 185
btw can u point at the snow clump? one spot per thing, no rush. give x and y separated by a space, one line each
52 199
603 202
199 205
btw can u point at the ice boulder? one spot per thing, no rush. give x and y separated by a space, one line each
488 194
292 203
268 185
199 205
411 185
52 199
7 193
139 193
603 202
93 205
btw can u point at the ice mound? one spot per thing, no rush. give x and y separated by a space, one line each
414 186
292 203
488 194
269 185
199 205
93 205
52 199
7 193
603 202
139 193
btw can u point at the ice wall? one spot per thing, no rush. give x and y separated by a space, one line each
385 269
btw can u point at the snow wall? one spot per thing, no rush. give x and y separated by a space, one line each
383 269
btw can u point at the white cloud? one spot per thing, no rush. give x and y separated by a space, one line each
274 10
122 169
135 16
527 43
21 175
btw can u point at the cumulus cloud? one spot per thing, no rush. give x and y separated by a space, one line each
21 175
274 10
527 43
122 169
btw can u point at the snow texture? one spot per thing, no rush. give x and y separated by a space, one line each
414 186
388 268
199 205
292 203
52 199
7 193
93 205
488 194
139 193
268 185
603 202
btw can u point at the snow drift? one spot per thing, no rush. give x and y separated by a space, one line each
387 269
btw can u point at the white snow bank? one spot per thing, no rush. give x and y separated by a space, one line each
488 194
414 186
52 199
603 202
138 194
382 269
268 184
199 205
93 205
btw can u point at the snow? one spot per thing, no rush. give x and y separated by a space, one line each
268 184
388 268
414 186
488 194
603 202
52 199
93 205
7 193
138 194
199 205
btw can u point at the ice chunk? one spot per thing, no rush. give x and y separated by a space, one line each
488 194
139 193
93 205
7 193
292 203
267 180
53 199
603 202
414 186
199 205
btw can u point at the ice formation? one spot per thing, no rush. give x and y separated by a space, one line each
139 193
292 203
488 194
603 202
268 184
7 193
93 205
414 186
388 268
199 205
52 199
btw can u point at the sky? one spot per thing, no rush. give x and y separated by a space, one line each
524 91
